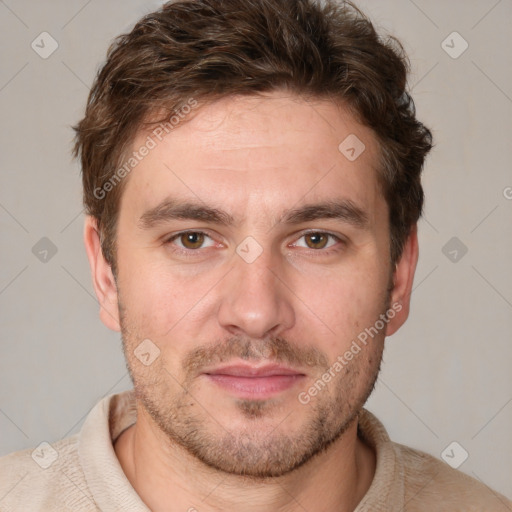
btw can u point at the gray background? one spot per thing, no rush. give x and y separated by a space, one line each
446 375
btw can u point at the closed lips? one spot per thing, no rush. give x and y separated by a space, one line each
248 371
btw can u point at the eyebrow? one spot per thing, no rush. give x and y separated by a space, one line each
172 209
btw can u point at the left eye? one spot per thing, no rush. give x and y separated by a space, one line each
318 240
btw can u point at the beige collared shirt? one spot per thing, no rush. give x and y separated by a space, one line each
81 473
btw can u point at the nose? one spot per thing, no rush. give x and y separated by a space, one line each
255 300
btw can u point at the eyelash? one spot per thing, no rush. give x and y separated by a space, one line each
193 252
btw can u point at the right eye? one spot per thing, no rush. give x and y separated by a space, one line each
189 240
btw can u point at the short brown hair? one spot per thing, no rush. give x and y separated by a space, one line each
209 49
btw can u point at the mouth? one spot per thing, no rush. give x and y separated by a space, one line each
254 382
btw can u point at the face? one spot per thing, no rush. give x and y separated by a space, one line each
252 255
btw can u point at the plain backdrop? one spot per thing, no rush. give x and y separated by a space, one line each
446 374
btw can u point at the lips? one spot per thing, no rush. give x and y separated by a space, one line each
251 382
252 371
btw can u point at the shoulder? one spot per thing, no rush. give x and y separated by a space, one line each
48 477
431 484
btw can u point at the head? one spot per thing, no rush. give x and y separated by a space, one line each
251 176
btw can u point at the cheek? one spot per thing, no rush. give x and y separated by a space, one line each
149 296
341 303
161 302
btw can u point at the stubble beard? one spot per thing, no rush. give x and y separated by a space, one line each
252 452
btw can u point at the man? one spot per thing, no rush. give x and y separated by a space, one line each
251 175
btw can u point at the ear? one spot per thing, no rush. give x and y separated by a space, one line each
402 282
102 278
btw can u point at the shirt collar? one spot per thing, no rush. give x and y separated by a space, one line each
387 490
107 482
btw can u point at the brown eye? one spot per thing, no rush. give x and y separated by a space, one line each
316 240
190 244
192 240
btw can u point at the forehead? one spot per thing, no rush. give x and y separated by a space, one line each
265 152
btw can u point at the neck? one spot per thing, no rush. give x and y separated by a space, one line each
340 475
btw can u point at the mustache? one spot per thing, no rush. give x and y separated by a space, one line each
273 349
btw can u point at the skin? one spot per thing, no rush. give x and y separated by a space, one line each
301 302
